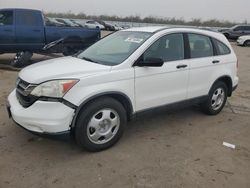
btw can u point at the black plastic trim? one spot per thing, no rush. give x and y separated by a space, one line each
61 100
231 82
171 106
79 108
187 54
215 51
234 88
65 135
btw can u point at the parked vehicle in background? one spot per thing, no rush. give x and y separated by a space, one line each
76 23
80 22
67 22
117 27
53 22
26 30
208 29
244 40
94 25
237 31
107 26
93 94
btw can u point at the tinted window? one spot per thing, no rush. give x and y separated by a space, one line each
168 48
247 28
239 28
221 48
28 18
200 46
6 17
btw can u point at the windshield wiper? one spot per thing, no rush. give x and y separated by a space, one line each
88 59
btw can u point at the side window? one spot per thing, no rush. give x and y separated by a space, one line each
247 28
221 48
27 18
200 46
168 48
6 18
239 28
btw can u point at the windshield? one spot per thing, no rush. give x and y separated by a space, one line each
115 48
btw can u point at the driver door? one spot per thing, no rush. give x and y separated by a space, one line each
157 86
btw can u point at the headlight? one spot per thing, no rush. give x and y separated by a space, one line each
54 88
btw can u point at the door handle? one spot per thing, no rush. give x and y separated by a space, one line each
181 66
215 61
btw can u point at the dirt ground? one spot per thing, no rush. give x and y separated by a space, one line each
182 148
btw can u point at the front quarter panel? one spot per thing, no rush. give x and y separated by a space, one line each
121 81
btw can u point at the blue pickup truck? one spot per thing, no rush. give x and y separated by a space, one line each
29 30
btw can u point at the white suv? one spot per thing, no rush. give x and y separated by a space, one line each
94 93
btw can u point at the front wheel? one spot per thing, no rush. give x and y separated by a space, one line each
216 99
247 43
100 125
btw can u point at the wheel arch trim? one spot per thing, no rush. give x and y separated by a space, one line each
127 103
225 78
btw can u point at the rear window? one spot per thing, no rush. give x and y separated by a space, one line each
221 48
6 17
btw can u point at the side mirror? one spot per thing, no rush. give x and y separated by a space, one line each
151 62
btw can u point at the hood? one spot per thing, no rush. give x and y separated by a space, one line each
60 68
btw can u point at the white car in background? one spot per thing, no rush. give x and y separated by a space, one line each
93 94
244 40
94 25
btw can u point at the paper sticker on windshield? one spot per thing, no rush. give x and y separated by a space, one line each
135 40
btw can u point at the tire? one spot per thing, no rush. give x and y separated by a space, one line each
68 51
100 124
22 59
216 99
247 43
227 35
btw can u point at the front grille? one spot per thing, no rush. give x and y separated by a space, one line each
23 90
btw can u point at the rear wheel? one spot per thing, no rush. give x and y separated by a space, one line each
100 125
216 99
22 59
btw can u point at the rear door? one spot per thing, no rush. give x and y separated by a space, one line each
7 30
29 30
239 31
247 30
202 64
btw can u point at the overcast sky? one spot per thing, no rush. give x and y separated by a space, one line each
232 10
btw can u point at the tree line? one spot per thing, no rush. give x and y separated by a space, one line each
149 19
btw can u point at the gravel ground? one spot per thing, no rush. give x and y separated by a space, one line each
181 148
